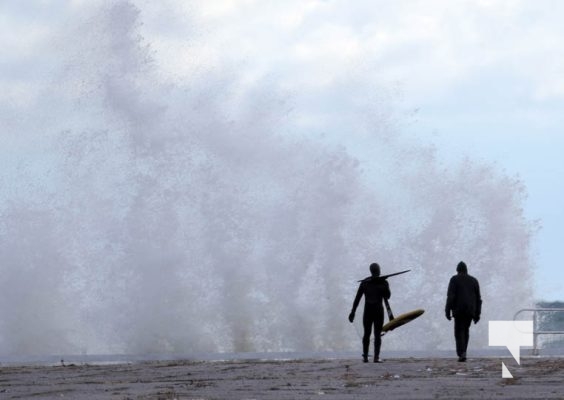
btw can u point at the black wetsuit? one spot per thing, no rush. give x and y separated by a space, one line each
374 291
465 302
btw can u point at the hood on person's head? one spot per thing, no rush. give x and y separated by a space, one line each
462 268
375 270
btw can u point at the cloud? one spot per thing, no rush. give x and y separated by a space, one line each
429 45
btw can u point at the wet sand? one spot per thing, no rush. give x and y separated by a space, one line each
402 378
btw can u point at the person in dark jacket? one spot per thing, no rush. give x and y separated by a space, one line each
465 304
375 290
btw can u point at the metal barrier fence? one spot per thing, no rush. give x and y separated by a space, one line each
536 332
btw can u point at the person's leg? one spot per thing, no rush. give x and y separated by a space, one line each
367 321
378 322
458 336
467 321
462 335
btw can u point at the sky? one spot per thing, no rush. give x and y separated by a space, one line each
482 79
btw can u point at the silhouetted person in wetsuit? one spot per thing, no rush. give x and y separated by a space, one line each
465 303
375 290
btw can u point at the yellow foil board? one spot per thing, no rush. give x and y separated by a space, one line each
402 319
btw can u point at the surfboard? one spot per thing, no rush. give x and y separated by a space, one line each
402 319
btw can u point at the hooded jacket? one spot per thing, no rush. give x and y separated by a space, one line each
463 296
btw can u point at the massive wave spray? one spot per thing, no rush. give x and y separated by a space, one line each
140 215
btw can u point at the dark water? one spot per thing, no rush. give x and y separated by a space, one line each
102 359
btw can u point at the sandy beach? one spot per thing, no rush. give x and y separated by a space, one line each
402 378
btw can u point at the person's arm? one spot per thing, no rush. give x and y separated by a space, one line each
478 303
450 299
357 298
